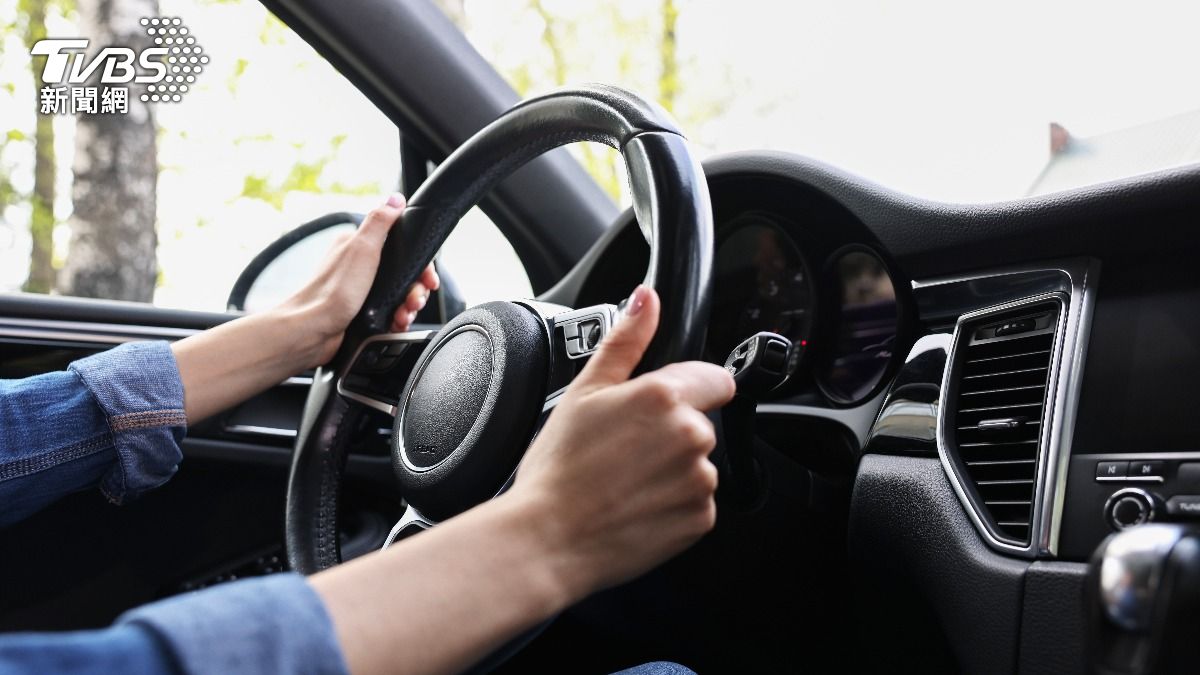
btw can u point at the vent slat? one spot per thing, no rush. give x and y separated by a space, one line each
995 415
1000 462
988 444
1005 372
1002 407
1002 390
987 359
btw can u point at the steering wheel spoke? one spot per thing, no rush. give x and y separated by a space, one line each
380 367
410 523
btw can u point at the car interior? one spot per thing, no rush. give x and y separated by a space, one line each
961 442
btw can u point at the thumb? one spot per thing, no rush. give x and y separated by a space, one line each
622 349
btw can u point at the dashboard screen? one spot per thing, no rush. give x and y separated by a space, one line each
761 284
1141 380
866 327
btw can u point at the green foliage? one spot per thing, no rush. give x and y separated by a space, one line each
303 177
239 69
273 31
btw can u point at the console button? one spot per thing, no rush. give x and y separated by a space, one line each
1111 470
1184 506
1151 471
1189 477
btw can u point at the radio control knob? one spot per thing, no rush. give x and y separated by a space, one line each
1128 507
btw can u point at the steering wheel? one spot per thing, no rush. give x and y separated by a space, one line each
483 383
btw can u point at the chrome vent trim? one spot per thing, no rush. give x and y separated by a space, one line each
998 394
1061 400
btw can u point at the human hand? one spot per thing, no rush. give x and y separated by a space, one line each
340 287
620 473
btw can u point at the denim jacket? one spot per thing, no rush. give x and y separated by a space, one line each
115 421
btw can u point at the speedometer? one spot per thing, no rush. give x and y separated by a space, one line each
761 283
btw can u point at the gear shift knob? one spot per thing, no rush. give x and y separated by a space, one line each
1144 601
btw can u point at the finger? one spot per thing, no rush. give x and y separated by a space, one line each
703 386
403 320
622 348
429 278
379 221
417 297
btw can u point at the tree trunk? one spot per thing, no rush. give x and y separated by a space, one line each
113 239
41 225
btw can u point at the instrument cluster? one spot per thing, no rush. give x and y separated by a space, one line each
835 301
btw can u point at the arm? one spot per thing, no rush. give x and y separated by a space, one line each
118 416
232 362
617 482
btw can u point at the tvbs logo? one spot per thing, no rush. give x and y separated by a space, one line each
118 63
166 70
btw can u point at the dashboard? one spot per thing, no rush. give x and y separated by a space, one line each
1018 381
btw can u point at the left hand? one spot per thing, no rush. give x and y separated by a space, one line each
340 287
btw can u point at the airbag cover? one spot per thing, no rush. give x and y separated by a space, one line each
469 408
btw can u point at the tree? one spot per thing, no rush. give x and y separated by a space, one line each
113 242
668 77
41 226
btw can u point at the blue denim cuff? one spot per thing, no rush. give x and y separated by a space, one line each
137 385
273 624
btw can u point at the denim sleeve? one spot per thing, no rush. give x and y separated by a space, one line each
274 624
138 388
113 419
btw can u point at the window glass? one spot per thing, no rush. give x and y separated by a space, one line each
963 102
168 201
482 263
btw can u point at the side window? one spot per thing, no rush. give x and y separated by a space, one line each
162 191
482 263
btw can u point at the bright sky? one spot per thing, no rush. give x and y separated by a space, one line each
942 99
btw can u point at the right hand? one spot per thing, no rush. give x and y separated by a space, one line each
621 470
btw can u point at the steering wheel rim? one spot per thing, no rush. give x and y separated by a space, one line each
671 203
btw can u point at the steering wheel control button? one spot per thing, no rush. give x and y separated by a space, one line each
1129 507
583 329
1184 506
1149 472
1111 470
591 332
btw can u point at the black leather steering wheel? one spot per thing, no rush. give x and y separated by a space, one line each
485 381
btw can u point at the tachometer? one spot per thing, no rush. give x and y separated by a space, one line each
761 283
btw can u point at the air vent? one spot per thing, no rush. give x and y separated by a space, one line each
996 407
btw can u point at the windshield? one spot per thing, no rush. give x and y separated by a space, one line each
963 102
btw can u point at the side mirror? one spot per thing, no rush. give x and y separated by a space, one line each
288 262
291 260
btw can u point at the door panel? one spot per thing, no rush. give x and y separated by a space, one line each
81 561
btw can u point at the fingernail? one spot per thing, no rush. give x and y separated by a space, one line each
396 200
636 301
